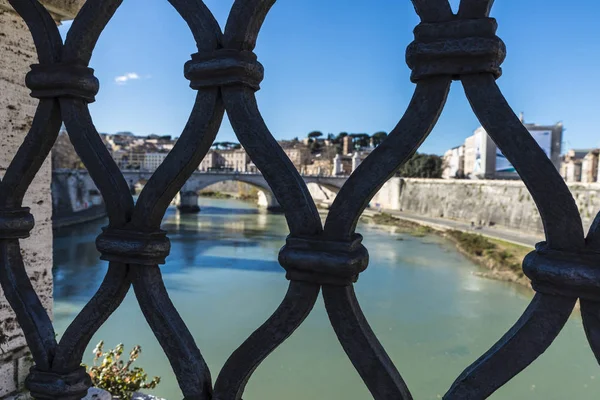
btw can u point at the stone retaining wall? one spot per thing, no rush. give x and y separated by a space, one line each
485 202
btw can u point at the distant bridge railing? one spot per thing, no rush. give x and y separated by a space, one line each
317 258
149 171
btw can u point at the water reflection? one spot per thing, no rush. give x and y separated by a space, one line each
430 310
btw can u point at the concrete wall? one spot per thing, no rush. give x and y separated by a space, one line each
486 202
16 114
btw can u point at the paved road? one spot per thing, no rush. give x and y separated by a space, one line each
509 235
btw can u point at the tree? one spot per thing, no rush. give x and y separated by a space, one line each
315 147
361 139
422 166
340 137
64 155
378 137
315 135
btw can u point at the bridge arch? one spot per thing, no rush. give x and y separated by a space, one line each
265 199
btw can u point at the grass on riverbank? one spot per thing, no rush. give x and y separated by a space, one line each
502 259
404 226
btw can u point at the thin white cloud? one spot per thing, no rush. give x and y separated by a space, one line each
123 79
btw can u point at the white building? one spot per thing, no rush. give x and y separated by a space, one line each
233 160
484 160
153 160
454 163
589 167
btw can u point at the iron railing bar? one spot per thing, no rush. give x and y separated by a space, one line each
33 318
560 216
590 314
237 371
31 154
181 162
533 333
362 346
102 168
202 23
244 23
475 8
86 29
593 237
42 27
415 125
101 306
173 335
433 10
284 179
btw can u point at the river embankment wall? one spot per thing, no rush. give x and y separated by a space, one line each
483 202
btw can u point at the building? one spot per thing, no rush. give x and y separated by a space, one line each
231 160
135 159
572 165
469 156
236 160
454 163
347 145
209 162
153 160
484 160
589 167
121 158
342 165
298 153
319 166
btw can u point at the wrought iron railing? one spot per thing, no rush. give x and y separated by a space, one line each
317 258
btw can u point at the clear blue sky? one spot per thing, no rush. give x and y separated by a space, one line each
338 65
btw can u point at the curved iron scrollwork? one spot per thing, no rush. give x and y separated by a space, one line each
226 73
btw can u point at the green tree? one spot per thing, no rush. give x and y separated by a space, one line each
315 147
422 166
341 136
379 137
315 135
361 139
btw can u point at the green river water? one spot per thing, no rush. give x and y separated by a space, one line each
431 312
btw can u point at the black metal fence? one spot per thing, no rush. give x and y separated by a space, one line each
328 258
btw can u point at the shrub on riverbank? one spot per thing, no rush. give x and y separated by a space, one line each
473 244
503 259
215 195
412 228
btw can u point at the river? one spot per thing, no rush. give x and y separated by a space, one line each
433 315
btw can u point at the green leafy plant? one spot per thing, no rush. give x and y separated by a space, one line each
117 376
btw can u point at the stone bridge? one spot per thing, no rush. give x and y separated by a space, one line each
188 199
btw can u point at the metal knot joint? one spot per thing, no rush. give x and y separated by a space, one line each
62 80
455 48
131 247
324 262
52 386
16 223
224 67
563 273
